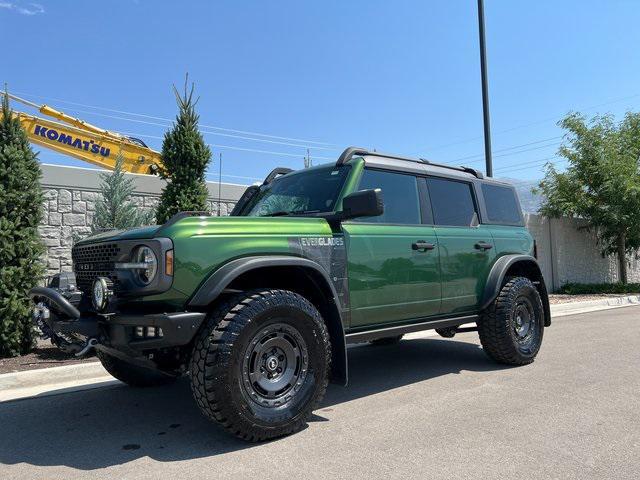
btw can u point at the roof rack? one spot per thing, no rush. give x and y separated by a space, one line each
351 152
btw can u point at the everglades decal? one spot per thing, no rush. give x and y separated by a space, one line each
322 241
331 254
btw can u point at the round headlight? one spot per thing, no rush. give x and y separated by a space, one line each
101 292
145 255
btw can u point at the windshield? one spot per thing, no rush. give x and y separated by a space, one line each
306 191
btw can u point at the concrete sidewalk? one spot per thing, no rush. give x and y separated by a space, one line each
57 380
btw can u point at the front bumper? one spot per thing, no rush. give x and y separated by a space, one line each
116 330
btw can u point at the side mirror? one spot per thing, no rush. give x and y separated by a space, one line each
365 203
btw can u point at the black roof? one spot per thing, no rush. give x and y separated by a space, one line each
390 160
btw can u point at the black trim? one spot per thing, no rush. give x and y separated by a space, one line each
218 281
496 277
55 297
246 197
426 209
351 152
276 172
178 329
368 335
221 278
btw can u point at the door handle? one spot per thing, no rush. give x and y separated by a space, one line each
422 245
483 246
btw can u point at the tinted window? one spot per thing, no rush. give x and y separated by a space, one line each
501 203
400 195
312 190
452 202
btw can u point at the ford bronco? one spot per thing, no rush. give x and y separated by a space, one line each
257 308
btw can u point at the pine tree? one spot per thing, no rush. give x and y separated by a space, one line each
20 245
115 209
185 156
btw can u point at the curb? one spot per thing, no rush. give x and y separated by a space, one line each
49 381
574 308
84 376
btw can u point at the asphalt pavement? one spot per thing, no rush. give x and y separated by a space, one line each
426 408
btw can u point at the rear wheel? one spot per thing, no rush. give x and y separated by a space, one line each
261 364
511 329
133 375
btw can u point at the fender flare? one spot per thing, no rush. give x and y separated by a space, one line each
221 278
496 278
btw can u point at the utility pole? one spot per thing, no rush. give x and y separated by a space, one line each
220 185
485 91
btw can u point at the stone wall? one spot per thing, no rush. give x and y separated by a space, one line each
568 253
70 202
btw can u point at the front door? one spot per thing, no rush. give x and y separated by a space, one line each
394 272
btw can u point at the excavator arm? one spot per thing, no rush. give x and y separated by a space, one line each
79 139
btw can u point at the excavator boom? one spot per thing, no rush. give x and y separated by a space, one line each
87 142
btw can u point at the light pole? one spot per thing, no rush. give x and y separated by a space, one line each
485 91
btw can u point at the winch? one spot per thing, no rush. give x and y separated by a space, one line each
64 286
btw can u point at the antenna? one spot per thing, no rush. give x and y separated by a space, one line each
307 160
220 185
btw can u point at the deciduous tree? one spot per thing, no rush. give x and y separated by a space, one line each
601 183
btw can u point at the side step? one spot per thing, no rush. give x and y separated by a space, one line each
368 335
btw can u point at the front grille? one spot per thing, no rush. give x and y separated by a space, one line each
91 261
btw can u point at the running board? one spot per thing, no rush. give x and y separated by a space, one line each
368 335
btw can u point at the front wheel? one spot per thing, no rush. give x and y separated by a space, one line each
511 329
261 364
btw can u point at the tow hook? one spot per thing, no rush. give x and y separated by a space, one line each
91 343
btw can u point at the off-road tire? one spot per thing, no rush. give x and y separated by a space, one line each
221 377
133 375
498 324
387 340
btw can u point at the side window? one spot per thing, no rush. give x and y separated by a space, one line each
400 195
501 203
452 202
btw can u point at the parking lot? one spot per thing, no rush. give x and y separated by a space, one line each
426 408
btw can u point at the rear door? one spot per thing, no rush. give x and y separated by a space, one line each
394 272
466 251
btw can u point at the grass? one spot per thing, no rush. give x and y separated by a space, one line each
595 288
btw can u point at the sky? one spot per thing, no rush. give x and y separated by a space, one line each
277 77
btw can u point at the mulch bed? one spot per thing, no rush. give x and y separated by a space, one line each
556 298
44 355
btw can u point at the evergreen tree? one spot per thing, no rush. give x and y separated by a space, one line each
115 209
20 245
185 157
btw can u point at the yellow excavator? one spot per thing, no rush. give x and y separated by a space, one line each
81 140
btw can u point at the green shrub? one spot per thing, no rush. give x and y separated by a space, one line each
20 245
114 209
596 288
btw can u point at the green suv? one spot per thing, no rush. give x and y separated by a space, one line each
257 308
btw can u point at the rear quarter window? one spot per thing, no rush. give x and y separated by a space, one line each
501 204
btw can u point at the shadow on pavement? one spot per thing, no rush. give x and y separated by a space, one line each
98 428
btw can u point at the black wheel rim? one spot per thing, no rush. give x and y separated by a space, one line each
275 365
525 323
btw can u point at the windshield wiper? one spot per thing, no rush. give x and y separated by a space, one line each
282 213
